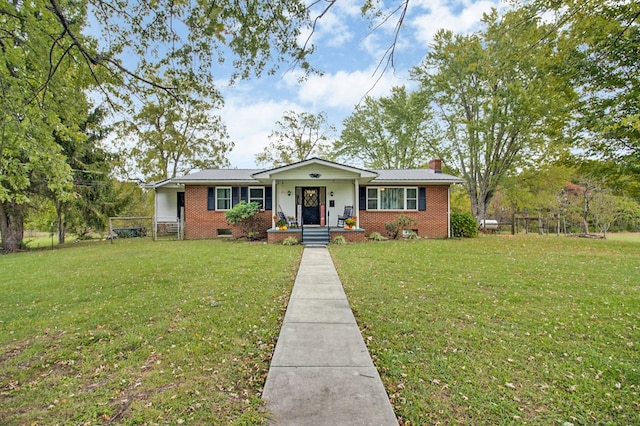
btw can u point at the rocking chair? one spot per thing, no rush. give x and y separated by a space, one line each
348 212
292 222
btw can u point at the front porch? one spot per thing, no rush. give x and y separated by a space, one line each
316 234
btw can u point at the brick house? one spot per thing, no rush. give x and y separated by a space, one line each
313 193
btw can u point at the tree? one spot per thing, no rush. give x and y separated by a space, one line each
499 98
603 38
390 132
94 198
41 91
48 60
605 209
299 136
534 189
170 136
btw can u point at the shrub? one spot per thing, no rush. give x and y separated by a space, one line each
339 240
396 227
410 235
290 241
245 215
376 236
463 224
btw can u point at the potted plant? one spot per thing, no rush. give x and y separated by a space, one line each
281 224
350 222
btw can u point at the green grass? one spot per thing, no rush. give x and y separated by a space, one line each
140 332
501 330
493 330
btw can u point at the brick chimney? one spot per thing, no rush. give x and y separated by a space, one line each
436 165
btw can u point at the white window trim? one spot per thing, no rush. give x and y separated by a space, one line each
261 188
218 198
378 203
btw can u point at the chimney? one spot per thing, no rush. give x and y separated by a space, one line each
436 165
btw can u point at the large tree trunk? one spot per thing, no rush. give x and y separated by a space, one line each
11 225
479 204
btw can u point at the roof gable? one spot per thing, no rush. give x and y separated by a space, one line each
315 168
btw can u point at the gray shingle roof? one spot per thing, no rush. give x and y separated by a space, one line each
219 175
384 176
412 175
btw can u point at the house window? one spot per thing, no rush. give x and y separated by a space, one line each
392 198
412 198
257 195
372 198
223 198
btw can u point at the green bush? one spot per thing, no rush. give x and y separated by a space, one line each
245 215
290 241
376 236
339 240
395 228
463 224
410 235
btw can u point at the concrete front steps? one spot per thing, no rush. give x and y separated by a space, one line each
315 235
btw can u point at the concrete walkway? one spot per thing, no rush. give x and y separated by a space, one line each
321 372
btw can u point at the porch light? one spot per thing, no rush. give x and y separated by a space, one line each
289 193
331 194
314 175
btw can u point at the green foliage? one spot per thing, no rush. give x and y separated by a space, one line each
501 97
376 236
290 241
299 137
395 228
42 93
410 235
245 215
603 39
390 132
463 224
174 135
339 240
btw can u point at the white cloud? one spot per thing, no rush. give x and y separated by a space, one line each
343 89
461 18
249 124
334 28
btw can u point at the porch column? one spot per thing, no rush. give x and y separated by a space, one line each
449 212
274 203
356 204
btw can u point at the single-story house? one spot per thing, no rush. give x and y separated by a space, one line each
313 193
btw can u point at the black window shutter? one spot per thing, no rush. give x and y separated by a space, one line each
211 198
268 195
244 193
422 199
235 195
363 198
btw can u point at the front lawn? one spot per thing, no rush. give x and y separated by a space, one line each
493 330
140 332
500 329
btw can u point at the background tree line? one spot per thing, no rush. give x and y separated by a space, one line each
544 84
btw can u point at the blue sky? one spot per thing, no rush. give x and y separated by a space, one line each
348 54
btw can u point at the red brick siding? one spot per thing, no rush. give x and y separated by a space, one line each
201 223
350 236
431 223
